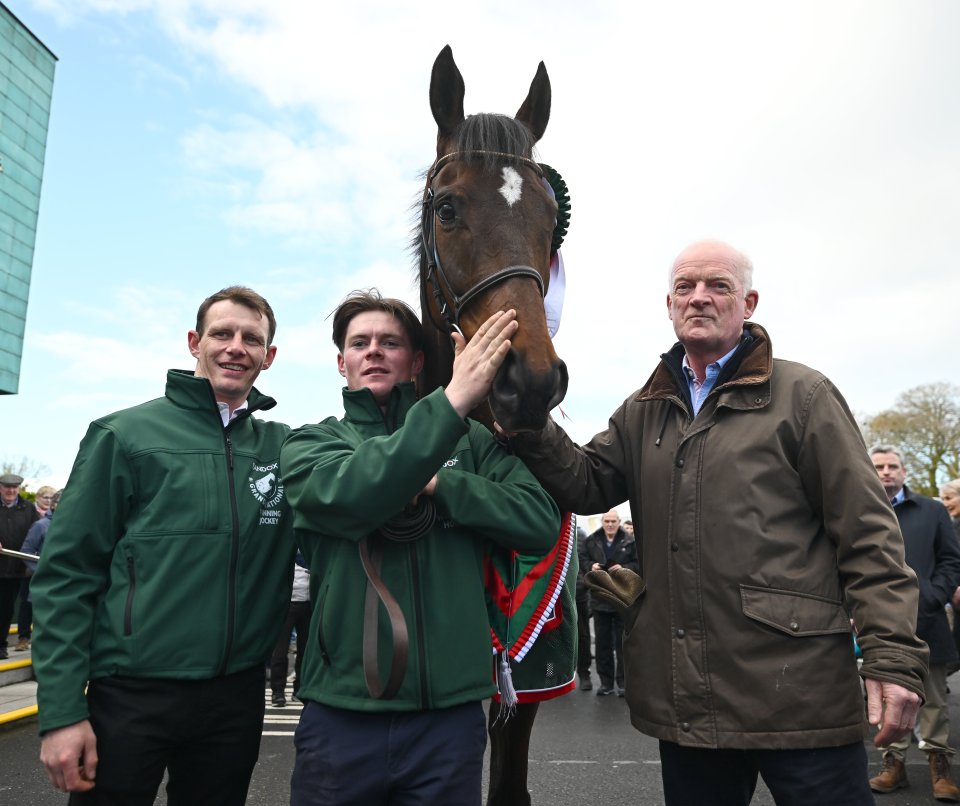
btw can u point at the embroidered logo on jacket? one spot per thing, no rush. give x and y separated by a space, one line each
267 487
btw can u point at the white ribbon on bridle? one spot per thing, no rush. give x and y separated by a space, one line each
553 301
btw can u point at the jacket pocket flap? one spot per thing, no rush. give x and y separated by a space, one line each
794 613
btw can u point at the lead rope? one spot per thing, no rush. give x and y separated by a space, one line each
376 590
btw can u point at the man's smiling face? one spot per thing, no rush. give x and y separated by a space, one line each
232 350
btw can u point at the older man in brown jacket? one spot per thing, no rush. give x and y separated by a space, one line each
765 530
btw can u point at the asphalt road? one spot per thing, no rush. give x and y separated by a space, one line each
583 751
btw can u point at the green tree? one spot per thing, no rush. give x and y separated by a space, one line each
925 425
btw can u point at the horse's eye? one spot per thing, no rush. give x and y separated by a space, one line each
446 213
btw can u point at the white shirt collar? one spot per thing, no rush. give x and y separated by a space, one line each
226 415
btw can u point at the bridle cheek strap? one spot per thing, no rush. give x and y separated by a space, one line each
435 273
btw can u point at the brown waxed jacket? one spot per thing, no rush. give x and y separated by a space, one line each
764 529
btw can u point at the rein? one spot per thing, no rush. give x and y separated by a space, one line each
435 275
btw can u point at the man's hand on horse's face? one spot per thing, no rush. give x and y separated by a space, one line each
476 363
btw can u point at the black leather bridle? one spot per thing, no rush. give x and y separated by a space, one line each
451 310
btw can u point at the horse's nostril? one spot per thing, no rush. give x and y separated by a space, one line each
509 380
560 387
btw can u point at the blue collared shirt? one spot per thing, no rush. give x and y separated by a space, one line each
699 391
899 498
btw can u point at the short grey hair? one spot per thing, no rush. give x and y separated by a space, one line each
952 486
888 449
743 264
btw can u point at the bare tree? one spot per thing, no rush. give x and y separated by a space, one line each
28 468
925 425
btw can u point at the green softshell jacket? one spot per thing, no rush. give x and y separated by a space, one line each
346 478
172 552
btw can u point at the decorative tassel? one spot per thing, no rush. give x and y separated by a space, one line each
508 694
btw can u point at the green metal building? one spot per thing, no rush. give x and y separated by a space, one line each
26 88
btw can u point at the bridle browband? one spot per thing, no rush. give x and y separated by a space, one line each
428 235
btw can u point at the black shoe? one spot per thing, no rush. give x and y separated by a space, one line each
585 684
620 692
3 653
604 691
278 701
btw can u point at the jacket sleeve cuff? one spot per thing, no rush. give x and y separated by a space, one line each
902 666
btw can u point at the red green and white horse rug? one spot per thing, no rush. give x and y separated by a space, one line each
533 619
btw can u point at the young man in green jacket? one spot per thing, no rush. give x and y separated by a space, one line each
398 503
165 578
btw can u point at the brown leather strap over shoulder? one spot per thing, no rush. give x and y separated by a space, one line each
377 591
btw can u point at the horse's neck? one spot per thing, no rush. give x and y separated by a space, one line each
438 360
438 369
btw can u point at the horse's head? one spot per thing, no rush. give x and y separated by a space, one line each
486 232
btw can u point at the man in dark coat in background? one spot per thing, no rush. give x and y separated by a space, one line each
17 515
932 551
608 548
584 653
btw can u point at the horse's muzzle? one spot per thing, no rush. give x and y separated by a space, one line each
521 399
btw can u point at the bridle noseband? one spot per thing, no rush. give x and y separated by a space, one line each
435 274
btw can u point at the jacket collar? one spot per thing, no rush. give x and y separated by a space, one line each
361 407
187 391
750 365
909 496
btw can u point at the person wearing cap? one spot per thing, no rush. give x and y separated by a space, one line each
164 579
17 515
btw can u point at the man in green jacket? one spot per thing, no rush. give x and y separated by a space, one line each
764 530
165 578
396 506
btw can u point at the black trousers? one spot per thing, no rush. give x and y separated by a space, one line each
25 616
9 590
608 635
584 655
824 775
205 733
297 616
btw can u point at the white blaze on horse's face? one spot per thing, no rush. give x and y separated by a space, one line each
512 185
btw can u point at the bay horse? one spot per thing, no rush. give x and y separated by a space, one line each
489 225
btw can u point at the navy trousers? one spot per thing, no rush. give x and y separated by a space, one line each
823 775
205 733
405 758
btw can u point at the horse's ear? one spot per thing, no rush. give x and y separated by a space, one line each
535 111
446 93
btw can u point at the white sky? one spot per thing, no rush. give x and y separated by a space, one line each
279 144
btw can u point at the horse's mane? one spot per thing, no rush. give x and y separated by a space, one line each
490 137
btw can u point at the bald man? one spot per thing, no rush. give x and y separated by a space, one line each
764 529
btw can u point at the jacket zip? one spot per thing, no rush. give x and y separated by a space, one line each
391 427
234 553
418 611
128 608
318 616
234 534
